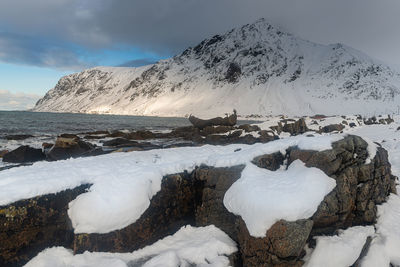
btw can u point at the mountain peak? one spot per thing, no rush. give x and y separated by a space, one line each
256 68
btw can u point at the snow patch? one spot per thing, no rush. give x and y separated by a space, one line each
341 250
262 197
203 246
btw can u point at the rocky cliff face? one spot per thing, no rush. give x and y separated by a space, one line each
197 198
277 72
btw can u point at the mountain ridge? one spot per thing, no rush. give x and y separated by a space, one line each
256 69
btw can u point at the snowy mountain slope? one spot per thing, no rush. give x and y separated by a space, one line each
257 69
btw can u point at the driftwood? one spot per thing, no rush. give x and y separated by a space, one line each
227 121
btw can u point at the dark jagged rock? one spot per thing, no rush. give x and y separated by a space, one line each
352 124
331 128
18 137
70 136
97 133
47 145
3 152
118 134
141 135
271 162
29 226
291 126
24 154
282 246
118 142
249 128
360 187
65 148
218 121
216 130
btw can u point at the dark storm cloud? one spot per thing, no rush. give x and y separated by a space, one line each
166 27
38 52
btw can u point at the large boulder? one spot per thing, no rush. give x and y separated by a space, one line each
24 154
226 121
65 148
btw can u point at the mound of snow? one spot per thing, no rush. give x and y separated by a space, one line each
262 197
341 250
203 246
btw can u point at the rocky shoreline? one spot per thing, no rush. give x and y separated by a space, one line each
196 197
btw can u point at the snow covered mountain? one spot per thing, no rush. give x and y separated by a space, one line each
256 69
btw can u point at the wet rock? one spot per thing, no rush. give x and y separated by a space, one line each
118 134
331 128
29 226
352 124
141 135
47 145
118 142
3 152
24 154
69 136
65 148
94 136
18 137
97 133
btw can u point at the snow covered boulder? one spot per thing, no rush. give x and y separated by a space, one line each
360 185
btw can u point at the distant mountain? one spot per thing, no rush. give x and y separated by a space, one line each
256 69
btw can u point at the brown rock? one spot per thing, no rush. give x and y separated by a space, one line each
18 137
24 154
227 121
3 152
65 148
29 226
271 162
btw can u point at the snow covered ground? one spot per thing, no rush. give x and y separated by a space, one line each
124 183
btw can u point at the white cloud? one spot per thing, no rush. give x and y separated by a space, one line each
17 101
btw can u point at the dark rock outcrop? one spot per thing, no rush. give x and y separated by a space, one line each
24 154
29 226
331 128
65 148
218 121
170 209
3 152
291 126
18 136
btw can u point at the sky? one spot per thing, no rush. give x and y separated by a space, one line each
43 40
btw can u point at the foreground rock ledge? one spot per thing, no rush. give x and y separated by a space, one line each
197 198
